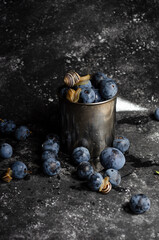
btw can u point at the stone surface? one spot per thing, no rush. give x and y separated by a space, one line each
39 42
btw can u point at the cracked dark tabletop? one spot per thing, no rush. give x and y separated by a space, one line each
39 42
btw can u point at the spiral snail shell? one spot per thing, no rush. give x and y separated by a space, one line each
105 186
72 78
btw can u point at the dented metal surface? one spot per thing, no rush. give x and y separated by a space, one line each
88 125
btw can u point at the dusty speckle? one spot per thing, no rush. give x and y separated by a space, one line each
40 42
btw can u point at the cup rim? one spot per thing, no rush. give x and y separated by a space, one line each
84 104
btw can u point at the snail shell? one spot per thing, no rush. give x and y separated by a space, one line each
72 95
71 78
7 177
105 186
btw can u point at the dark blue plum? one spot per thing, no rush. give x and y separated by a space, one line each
80 154
53 137
95 180
84 170
47 154
87 95
139 203
51 166
22 133
84 86
98 97
114 176
108 89
122 143
157 114
10 127
19 170
6 150
3 123
97 78
112 158
51 146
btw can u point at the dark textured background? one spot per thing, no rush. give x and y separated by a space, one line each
39 42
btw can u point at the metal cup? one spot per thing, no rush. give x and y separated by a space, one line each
90 125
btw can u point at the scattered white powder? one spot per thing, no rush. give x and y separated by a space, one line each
154 137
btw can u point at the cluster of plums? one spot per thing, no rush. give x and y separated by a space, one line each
9 127
97 89
50 149
112 159
18 169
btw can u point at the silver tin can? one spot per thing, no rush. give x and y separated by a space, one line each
90 125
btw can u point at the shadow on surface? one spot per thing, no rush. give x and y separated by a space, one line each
138 163
126 208
135 120
81 186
